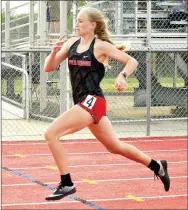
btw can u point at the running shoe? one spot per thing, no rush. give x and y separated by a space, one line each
61 192
163 174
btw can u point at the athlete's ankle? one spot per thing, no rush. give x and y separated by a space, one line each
66 180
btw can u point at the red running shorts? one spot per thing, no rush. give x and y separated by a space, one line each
95 105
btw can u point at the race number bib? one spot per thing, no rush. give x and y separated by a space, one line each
89 101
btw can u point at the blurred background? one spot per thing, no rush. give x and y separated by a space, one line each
155 103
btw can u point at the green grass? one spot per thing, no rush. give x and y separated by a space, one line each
17 86
107 84
168 82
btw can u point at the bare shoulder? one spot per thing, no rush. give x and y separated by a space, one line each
109 50
103 45
71 41
99 44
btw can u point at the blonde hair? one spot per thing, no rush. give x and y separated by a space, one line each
101 31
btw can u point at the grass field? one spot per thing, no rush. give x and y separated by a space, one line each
107 84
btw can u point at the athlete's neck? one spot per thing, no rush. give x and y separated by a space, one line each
87 39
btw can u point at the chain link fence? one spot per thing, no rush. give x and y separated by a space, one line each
156 100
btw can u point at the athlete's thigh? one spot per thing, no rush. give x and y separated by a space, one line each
71 121
103 131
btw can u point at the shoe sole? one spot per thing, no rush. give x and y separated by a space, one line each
61 196
165 166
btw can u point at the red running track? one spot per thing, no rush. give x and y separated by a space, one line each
118 183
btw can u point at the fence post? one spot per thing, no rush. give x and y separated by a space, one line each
43 42
24 84
10 82
31 24
149 68
175 70
64 79
74 15
7 25
119 8
136 17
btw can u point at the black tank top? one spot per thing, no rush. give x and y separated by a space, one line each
86 72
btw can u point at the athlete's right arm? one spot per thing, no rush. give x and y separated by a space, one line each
58 54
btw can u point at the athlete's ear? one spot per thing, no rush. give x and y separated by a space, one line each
93 25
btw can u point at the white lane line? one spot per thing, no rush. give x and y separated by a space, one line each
94 165
97 153
93 142
94 200
100 180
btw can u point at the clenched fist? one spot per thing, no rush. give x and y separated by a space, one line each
120 83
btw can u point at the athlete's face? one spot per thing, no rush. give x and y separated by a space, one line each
84 25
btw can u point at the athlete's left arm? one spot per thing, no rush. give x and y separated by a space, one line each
111 51
131 64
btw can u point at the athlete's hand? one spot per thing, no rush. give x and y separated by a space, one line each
120 83
58 45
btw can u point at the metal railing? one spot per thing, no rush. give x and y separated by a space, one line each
25 87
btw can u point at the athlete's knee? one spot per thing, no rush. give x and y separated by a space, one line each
50 136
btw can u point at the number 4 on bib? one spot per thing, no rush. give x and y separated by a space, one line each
89 101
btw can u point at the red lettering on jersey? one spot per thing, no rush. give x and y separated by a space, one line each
79 63
73 62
